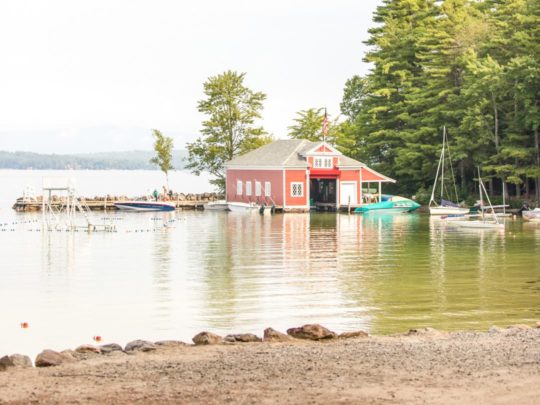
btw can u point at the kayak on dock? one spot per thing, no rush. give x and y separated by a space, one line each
389 204
145 206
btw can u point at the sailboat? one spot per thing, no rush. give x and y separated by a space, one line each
445 207
488 220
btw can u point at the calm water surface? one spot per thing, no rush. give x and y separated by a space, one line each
231 272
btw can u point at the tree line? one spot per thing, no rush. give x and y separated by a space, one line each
471 66
129 160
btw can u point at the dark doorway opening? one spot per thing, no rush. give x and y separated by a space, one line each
322 192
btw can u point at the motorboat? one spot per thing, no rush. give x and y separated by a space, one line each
531 215
140 206
219 205
389 204
242 206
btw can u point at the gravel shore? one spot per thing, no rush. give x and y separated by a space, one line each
425 366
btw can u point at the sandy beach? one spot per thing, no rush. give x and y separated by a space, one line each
424 366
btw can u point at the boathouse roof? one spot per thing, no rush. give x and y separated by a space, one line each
287 153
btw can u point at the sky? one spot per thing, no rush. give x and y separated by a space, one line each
93 76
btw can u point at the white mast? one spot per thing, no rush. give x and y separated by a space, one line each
482 187
480 193
442 167
432 199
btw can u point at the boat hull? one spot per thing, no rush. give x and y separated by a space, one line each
242 207
448 211
142 206
216 206
392 205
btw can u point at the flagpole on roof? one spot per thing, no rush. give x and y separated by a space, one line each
325 125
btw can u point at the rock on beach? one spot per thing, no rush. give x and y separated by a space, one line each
170 343
49 358
88 349
111 347
15 360
242 338
272 335
207 338
355 334
428 332
311 332
140 346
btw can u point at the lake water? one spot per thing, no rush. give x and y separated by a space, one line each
229 272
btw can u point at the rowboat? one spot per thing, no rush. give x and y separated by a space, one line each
140 206
389 204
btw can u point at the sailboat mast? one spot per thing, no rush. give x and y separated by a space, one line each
436 178
504 196
480 192
442 166
441 157
482 187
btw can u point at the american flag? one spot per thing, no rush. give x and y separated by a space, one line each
325 124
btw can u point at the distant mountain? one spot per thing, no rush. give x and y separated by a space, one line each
131 160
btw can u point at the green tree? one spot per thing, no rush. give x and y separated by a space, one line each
229 129
163 146
308 125
469 65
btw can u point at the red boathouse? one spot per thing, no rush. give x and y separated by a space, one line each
296 174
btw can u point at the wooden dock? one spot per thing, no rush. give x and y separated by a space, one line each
183 202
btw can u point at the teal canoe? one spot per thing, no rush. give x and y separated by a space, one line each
389 203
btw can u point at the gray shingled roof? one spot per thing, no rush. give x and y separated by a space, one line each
284 153
273 154
345 161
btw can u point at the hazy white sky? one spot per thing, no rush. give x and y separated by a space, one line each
87 76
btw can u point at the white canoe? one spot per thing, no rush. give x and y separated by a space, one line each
448 211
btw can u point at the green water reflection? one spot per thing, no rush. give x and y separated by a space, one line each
385 273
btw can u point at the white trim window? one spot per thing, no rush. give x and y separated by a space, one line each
267 189
248 188
238 187
297 189
258 189
323 162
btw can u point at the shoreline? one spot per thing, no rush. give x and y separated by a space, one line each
423 365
